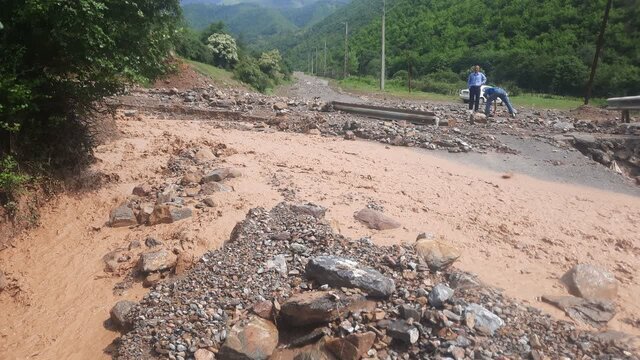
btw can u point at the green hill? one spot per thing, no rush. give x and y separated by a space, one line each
542 46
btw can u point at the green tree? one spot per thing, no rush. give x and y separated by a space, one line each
224 49
57 58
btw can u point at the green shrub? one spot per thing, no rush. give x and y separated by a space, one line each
11 180
248 71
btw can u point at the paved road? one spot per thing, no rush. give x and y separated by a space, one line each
536 158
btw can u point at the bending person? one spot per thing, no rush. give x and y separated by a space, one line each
475 82
493 93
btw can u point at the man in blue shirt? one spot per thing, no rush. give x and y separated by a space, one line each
475 81
493 93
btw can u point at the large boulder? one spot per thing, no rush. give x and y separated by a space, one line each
340 272
376 220
437 254
485 320
589 282
254 340
120 314
157 260
321 307
122 216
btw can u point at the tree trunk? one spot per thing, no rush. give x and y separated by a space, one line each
599 44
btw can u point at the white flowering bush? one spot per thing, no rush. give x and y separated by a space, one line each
224 49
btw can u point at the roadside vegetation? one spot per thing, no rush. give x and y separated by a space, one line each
216 47
57 61
399 88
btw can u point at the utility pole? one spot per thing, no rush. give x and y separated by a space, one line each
317 63
346 48
382 70
324 68
599 44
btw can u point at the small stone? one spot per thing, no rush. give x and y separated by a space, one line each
211 188
279 264
534 340
457 352
215 175
264 309
3 281
254 341
142 190
589 282
349 135
309 209
439 295
234 173
122 216
167 214
209 202
204 354
152 242
120 314
190 178
485 320
402 331
376 220
437 254
157 260
314 132
279 106
204 155
152 280
410 312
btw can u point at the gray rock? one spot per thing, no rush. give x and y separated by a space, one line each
167 214
309 209
122 216
120 314
589 282
215 175
340 272
594 312
209 202
410 312
485 320
279 264
402 331
211 188
376 220
439 295
157 260
254 341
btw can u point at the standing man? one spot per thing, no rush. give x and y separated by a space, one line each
475 81
493 93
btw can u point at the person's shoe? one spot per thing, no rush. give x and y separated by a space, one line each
489 115
513 115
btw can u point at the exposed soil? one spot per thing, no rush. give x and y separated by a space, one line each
517 232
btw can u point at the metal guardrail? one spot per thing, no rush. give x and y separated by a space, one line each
387 113
625 104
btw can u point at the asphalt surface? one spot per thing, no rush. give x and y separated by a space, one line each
536 158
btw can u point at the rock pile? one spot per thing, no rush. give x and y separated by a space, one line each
286 286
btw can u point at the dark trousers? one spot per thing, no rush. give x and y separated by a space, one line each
474 97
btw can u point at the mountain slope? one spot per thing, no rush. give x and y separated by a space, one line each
540 46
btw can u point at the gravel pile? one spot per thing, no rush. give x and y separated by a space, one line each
287 268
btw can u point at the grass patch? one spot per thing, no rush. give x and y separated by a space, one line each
546 101
218 75
364 85
371 86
